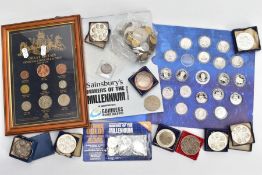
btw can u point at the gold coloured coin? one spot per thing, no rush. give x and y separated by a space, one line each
24 89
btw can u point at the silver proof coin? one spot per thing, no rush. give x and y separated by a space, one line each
237 61
181 108
62 84
218 94
181 75
66 144
185 91
235 98
245 41
219 63
217 141
165 138
201 97
44 86
45 102
241 134
165 74
63 100
223 79
220 112
223 46
240 80
99 32
106 68
170 56
204 42
202 77
152 103
185 43
201 114
26 106
187 60
203 57
167 93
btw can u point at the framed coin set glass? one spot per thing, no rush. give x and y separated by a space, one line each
43 74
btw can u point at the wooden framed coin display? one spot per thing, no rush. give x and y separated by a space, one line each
43 74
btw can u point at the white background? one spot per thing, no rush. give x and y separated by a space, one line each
220 14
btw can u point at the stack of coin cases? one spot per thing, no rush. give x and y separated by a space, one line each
68 144
114 141
30 149
184 143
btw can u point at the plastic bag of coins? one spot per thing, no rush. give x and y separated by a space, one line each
98 34
117 141
135 39
166 137
46 89
189 145
242 134
23 148
204 82
66 144
246 39
143 80
216 140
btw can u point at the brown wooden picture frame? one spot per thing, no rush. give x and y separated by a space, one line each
82 120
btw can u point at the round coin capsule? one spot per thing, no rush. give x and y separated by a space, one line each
201 97
185 43
201 114
221 112
106 68
181 108
245 41
203 57
167 93
165 138
187 60
165 74
204 42
218 94
223 79
237 61
240 80
66 144
144 80
223 46
241 134
219 63
185 91
217 141
202 77
236 98
181 75
170 56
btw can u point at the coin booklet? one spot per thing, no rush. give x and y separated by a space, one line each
44 80
246 39
216 140
110 93
189 145
166 137
204 83
114 141
68 144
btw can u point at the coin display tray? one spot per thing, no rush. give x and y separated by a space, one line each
169 38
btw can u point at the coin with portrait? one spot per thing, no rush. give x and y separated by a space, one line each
43 70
